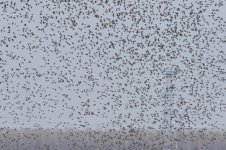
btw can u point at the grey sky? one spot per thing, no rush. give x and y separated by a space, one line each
99 64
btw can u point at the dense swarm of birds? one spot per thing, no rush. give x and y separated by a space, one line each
98 64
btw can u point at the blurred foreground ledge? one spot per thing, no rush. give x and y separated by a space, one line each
127 139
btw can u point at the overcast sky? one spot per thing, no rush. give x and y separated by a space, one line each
99 65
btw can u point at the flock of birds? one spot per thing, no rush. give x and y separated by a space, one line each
98 64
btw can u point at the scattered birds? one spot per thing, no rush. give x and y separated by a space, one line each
67 63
